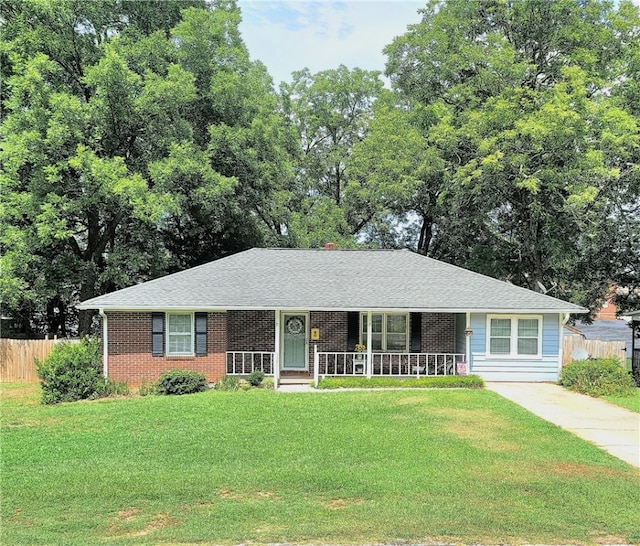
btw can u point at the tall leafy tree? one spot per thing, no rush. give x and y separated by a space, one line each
531 142
329 113
114 170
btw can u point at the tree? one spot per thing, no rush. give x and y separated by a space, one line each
531 142
396 176
329 113
115 160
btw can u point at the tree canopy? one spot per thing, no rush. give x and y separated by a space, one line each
140 138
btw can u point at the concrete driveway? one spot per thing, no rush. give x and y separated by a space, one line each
614 429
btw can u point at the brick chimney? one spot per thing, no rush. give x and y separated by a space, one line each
330 246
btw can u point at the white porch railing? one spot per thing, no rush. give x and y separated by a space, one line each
245 362
386 364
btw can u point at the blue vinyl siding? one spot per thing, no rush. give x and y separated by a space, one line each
550 335
543 368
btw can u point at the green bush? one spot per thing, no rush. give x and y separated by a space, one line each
227 383
179 381
147 387
72 371
109 387
598 377
268 383
444 382
255 378
635 373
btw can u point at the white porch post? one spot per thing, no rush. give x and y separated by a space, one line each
564 318
276 356
467 340
316 365
369 349
105 344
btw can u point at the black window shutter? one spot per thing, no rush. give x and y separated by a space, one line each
157 334
201 334
353 330
416 332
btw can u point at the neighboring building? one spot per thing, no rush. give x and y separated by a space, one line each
306 313
608 311
635 343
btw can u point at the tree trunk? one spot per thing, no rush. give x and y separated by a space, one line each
426 233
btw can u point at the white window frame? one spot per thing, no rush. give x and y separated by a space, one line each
191 335
363 335
514 336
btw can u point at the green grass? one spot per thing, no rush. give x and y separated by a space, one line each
336 467
630 402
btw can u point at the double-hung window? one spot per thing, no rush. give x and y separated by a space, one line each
389 331
179 334
514 336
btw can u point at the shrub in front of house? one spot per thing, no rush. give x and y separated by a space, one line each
255 378
227 383
110 387
71 372
179 381
598 377
443 382
147 387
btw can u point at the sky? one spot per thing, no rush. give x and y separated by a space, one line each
322 35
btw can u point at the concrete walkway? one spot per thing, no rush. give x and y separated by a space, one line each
614 429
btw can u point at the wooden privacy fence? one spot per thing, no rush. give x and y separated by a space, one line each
17 364
595 348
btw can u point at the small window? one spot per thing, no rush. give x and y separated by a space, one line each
514 336
389 331
179 334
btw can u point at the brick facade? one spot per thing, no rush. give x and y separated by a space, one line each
251 330
438 333
130 357
129 349
333 330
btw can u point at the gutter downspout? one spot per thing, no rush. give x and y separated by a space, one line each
105 344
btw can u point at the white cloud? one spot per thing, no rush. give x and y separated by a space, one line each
291 35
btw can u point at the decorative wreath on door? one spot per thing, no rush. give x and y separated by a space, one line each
295 325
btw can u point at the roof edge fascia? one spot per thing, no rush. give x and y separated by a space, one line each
495 310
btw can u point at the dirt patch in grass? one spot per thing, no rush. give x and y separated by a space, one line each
575 470
414 400
607 539
132 517
340 504
244 496
485 429
27 393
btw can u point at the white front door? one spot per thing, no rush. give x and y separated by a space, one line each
295 348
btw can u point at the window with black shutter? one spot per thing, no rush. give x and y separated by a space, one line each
201 334
416 332
353 330
157 334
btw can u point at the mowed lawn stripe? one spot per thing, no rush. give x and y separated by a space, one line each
337 467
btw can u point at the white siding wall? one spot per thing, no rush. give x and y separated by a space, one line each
545 368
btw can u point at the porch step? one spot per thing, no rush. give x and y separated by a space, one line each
295 380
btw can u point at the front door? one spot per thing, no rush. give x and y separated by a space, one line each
295 350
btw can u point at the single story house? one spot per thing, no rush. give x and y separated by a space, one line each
299 314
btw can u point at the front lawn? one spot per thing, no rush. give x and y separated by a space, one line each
336 467
630 402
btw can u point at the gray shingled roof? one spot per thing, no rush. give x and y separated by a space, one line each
329 279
